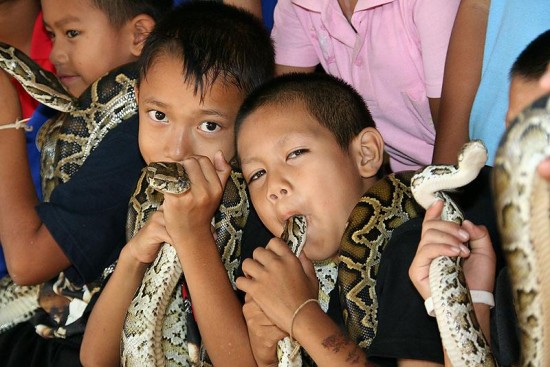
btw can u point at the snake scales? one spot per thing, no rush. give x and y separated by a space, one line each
461 335
65 141
522 200
385 206
155 330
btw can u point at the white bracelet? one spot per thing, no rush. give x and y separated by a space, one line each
477 296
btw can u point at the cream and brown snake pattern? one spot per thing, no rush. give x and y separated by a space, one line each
522 200
461 334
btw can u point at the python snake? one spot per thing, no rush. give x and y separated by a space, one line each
461 335
522 201
384 207
155 329
65 142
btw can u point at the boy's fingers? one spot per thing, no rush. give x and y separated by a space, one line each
308 267
434 211
223 169
476 232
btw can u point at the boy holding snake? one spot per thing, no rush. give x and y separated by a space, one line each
70 239
300 155
196 69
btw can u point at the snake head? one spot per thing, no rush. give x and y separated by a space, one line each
294 233
168 177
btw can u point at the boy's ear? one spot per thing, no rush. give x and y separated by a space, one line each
369 147
141 26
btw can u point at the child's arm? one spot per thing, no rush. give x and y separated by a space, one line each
280 283
25 241
443 238
101 342
216 307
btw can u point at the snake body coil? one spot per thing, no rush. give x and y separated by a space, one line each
156 329
522 206
460 332
66 141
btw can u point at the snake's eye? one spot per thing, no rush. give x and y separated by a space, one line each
209 126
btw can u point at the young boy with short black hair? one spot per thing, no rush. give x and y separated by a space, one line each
74 236
196 68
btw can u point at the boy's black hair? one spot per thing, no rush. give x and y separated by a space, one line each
120 11
533 60
334 103
212 40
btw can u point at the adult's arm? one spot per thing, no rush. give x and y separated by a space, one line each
461 79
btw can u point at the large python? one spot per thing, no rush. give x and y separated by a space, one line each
461 335
384 207
155 329
66 141
522 200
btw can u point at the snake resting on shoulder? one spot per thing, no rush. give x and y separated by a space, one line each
65 142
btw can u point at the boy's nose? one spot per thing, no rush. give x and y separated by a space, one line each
177 147
57 55
282 193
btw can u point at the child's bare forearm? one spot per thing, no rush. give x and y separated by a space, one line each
217 309
25 241
101 343
324 340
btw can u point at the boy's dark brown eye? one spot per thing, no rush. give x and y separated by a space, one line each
209 126
159 115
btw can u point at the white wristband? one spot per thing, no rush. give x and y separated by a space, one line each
483 297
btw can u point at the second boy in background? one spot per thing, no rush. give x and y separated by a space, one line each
197 67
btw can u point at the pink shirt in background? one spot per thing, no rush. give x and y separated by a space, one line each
395 60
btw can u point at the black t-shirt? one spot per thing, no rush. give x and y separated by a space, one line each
87 215
87 218
404 328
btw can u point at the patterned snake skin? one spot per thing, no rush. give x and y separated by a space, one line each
522 207
66 141
460 332
384 207
155 329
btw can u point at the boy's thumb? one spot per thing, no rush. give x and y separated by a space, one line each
223 169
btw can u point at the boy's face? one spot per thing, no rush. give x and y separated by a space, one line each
293 165
85 44
522 93
173 121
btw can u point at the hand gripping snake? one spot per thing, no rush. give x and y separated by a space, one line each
65 141
460 332
155 331
384 207
522 200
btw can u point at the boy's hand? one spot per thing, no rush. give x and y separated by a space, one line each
278 281
145 245
263 334
439 238
189 215
480 266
